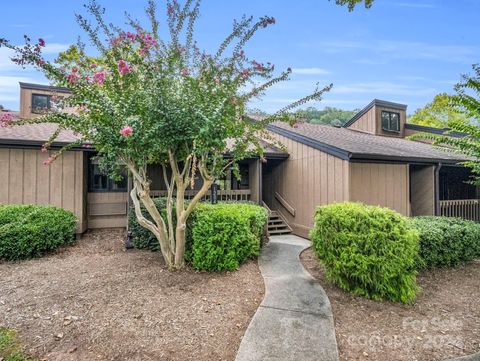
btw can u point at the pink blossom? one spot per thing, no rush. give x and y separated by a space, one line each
123 67
49 160
184 71
245 73
41 42
170 9
39 62
126 131
99 77
6 119
242 53
130 36
289 69
72 78
217 81
44 149
74 69
93 66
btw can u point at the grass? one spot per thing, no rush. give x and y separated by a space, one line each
10 349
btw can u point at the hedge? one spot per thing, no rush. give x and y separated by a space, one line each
28 231
218 237
367 250
446 241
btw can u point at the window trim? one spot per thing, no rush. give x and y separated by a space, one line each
48 96
390 113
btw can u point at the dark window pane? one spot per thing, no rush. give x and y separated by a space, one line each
98 182
385 120
40 103
394 121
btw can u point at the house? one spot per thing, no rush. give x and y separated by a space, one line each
368 160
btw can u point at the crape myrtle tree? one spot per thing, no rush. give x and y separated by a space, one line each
142 100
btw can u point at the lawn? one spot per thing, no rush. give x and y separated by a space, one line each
442 322
96 301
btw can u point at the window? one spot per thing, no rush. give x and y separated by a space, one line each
98 182
40 103
390 121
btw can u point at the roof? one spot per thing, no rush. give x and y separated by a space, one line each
423 128
34 134
44 87
353 145
375 102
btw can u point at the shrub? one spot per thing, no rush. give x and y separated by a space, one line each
446 241
367 250
28 231
224 235
142 237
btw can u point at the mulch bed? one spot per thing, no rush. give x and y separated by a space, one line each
96 301
443 322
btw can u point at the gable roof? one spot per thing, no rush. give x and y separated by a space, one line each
375 102
352 145
35 135
44 87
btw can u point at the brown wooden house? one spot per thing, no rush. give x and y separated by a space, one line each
367 160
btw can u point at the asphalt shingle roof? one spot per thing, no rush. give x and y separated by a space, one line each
351 144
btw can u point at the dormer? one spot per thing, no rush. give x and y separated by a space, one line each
35 99
380 118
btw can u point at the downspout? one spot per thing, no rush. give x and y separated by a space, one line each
437 188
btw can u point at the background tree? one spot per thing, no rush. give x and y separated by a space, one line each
466 101
438 113
352 3
145 100
327 116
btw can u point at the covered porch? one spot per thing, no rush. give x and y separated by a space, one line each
443 190
229 188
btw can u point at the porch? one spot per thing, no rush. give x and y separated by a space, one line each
444 191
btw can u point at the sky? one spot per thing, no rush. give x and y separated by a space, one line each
404 51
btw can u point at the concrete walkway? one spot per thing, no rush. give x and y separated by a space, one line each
294 320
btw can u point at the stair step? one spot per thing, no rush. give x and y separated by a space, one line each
278 232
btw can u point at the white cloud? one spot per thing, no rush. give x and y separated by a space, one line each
379 89
310 71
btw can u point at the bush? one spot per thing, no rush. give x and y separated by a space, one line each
218 237
142 237
369 251
225 235
446 241
28 231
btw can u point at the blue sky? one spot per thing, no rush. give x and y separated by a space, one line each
399 50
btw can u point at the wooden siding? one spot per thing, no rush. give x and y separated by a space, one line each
27 181
107 209
422 187
366 123
385 185
371 122
26 101
307 179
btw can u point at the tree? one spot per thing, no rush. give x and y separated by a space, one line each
145 100
466 101
438 113
352 3
328 116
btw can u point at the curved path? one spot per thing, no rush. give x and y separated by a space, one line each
294 320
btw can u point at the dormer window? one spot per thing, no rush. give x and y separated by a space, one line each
40 103
390 121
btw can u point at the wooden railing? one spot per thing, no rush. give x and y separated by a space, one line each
463 208
236 195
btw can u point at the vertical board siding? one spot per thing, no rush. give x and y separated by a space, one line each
366 123
307 179
385 185
423 190
28 181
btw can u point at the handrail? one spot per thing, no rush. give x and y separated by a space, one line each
285 204
463 208
240 195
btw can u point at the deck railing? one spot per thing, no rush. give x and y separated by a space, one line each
463 208
236 195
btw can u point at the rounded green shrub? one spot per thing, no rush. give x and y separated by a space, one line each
446 241
367 250
28 231
224 235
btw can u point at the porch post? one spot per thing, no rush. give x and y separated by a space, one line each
437 189
255 180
